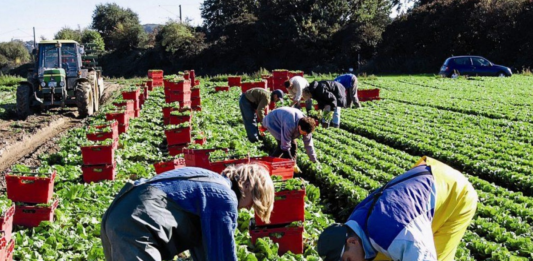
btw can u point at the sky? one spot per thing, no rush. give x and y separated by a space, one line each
18 17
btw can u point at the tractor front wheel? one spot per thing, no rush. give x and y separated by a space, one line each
24 93
84 99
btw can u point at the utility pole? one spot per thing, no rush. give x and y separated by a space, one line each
180 14
34 37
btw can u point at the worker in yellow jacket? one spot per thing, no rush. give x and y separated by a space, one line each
419 215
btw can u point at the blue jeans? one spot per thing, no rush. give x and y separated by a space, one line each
249 118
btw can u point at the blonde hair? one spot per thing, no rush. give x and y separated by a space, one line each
261 183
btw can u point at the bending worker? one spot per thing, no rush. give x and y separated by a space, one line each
256 100
330 96
294 86
184 209
419 215
286 125
349 81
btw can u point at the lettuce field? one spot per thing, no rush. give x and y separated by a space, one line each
480 126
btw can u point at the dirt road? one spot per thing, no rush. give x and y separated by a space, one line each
23 141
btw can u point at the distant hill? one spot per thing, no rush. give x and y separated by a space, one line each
148 28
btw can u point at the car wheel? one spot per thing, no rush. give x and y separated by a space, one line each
502 74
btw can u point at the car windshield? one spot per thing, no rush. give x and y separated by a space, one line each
480 61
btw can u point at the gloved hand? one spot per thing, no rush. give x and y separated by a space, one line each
296 169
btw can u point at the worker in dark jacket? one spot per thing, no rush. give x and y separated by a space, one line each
286 125
331 97
254 103
419 215
349 81
184 209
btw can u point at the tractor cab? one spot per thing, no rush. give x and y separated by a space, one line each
60 80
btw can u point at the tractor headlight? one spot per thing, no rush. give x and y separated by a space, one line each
62 83
43 84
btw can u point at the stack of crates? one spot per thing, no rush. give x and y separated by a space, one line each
133 93
289 207
7 242
196 99
245 86
279 77
33 192
156 78
178 136
99 159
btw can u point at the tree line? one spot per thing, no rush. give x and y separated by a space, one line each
240 36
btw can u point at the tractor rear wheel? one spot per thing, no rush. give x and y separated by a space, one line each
84 99
24 101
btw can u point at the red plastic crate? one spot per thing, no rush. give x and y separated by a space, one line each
288 238
31 216
292 74
176 149
196 101
222 88
234 81
121 117
198 157
95 173
128 105
181 86
123 128
174 119
220 166
276 166
131 95
18 188
137 113
178 136
177 96
368 95
288 207
155 73
201 141
150 85
6 222
186 76
245 86
280 74
161 167
197 108
196 82
98 154
270 83
195 93
168 110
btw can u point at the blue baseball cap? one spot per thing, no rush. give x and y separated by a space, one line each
278 93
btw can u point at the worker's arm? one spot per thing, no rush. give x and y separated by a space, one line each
261 109
309 148
218 228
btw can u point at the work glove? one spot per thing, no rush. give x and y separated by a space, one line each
296 169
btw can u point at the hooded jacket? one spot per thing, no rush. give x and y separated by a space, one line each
328 93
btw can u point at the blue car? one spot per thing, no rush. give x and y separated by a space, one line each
473 66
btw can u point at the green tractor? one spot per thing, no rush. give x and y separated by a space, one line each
60 79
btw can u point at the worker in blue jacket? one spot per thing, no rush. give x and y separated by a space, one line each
184 209
349 81
286 124
419 215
